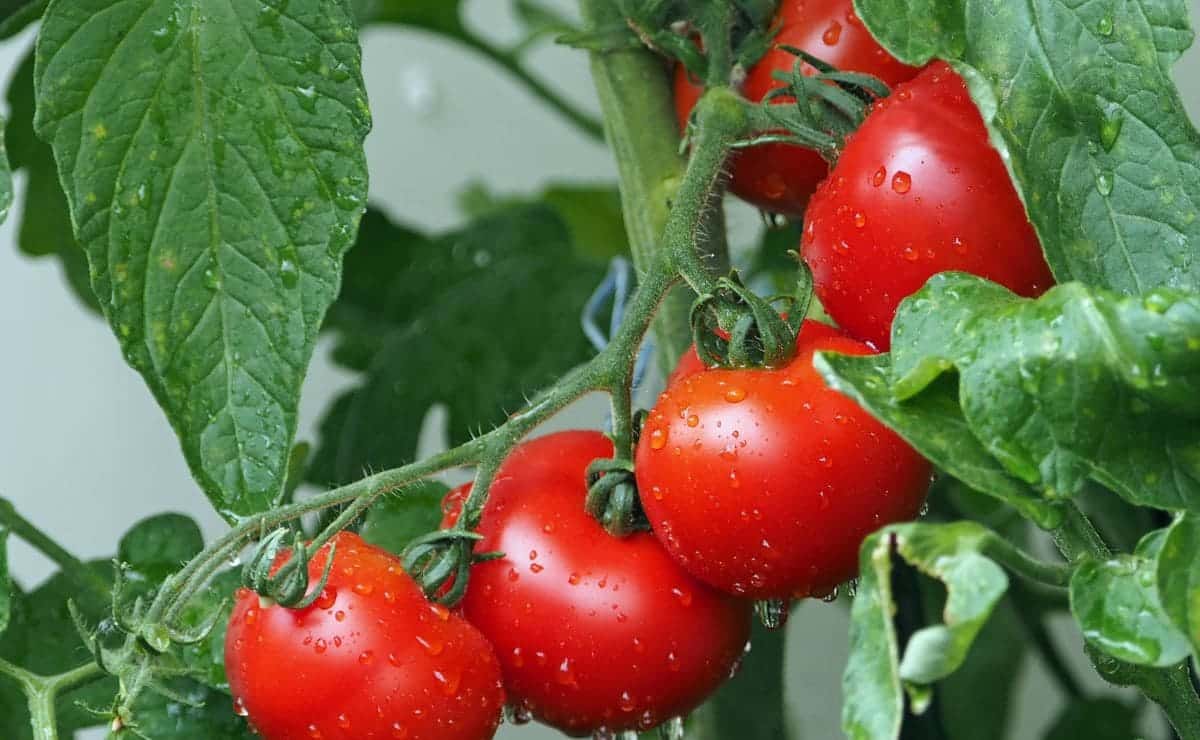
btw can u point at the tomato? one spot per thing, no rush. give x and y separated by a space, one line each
592 631
763 483
918 190
781 177
371 658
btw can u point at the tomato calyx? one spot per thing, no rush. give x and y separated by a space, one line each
825 108
286 583
440 562
612 497
736 328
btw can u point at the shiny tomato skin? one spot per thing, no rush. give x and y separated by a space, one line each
918 190
592 631
780 178
370 659
763 483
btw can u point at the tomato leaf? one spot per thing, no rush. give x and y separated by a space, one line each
1117 606
44 221
1079 100
160 545
164 719
934 425
1178 577
15 15
439 16
876 675
1078 384
472 321
750 706
6 586
213 163
399 518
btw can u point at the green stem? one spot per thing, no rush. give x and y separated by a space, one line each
1005 553
512 63
634 88
42 692
72 567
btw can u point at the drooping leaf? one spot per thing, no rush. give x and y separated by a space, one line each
750 706
1178 577
398 518
1102 718
212 160
44 221
439 16
876 675
1078 384
472 320
161 718
934 425
1079 99
1117 606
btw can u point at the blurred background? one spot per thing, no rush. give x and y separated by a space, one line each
85 452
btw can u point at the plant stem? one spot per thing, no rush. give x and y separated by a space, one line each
510 62
85 578
1016 560
41 693
634 88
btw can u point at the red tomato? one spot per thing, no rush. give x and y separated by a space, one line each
918 190
371 658
781 177
764 482
591 631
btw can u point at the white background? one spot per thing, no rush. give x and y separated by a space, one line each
84 451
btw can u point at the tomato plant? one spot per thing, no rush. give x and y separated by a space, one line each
917 191
634 639
764 482
369 658
781 177
989 454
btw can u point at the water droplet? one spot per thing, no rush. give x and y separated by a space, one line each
535 568
366 657
432 646
832 34
879 176
314 732
684 596
364 589
1104 26
830 597
211 279
692 420
773 613
626 702
1104 183
339 615
565 676
307 97
449 680
239 707
860 219
320 645
440 611
735 394
1112 118
901 182
658 439
673 662
289 268
911 254
672 729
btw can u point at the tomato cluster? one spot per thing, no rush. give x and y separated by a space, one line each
757 483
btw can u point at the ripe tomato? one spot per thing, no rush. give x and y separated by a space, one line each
764 482
781 177
371 658
918 190
592 631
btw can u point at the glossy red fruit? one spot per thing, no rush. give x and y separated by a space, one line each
592 631
918 190
779 177
370 659
763 483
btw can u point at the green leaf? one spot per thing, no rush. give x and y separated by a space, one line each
1178 577
1095 719
934 425
6 586
1080 101
1077 384
473 321
159 545
1116 604
15 15
44 221
161 718
439 16
398 518
212 159
751 705
6 184
206 658
875 673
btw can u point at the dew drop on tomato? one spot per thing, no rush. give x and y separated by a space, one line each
901 182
